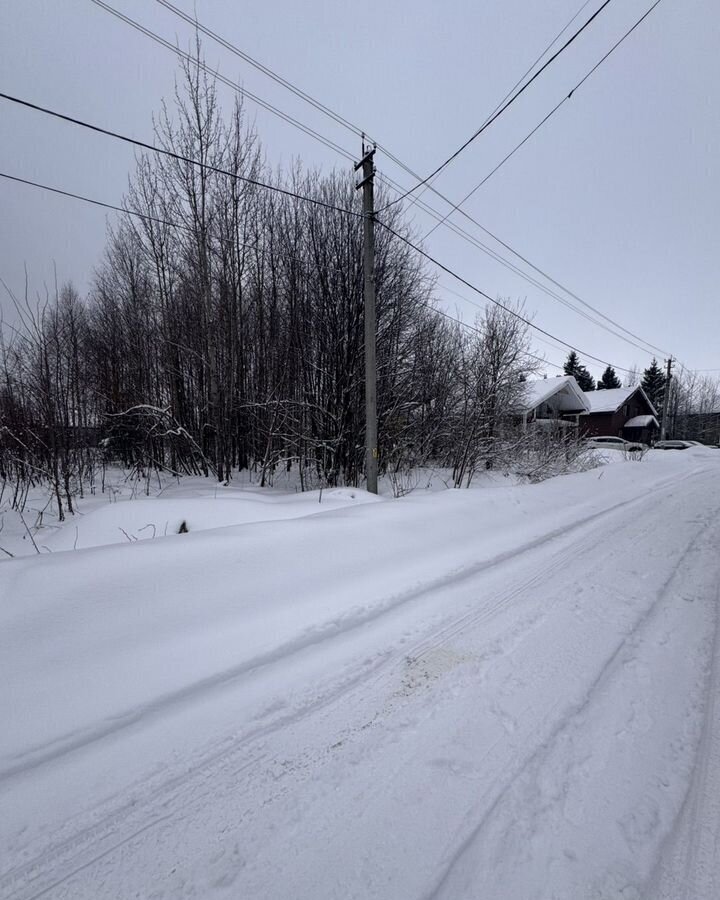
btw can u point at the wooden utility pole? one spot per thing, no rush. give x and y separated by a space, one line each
666 400
371 448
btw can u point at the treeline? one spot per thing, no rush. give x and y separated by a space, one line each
224 331
694 407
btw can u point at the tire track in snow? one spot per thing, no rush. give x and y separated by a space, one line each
476 617
688 864
147 826
564 723
130 817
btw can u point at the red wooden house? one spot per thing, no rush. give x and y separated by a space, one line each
620 412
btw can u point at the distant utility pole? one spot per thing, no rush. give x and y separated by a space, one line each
371 448
666 400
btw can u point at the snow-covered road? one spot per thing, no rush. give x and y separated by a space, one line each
502 695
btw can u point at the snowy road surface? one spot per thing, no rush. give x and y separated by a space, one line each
502 694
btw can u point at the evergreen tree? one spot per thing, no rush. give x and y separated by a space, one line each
585 380
609 380
579 372
653 383
572 364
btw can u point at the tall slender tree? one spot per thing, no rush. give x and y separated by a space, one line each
653 383
574 367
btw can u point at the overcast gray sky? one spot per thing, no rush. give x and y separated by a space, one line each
616 197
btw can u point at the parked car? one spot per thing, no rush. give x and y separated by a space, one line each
672 445
614 443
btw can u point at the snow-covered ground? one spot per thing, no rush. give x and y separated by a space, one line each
503 693
130 510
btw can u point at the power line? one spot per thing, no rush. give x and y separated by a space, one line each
336 117
163 42
445 288
154 219
540 271
406 241
502 306
493 254
297 91
303 95
503 108
479 245
479 331
167 222
306 129
112 206
507 246
484 248
180 157
121 209
580 83
355 130
517 84
481 306
456 206
546 50
285 192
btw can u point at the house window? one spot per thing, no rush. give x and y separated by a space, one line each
626 410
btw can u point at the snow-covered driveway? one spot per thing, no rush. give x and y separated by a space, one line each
491 694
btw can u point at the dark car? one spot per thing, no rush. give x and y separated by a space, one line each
672 445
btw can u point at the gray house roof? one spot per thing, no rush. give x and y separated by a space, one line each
611 401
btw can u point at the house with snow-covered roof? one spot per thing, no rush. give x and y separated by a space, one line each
553 402
620 412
